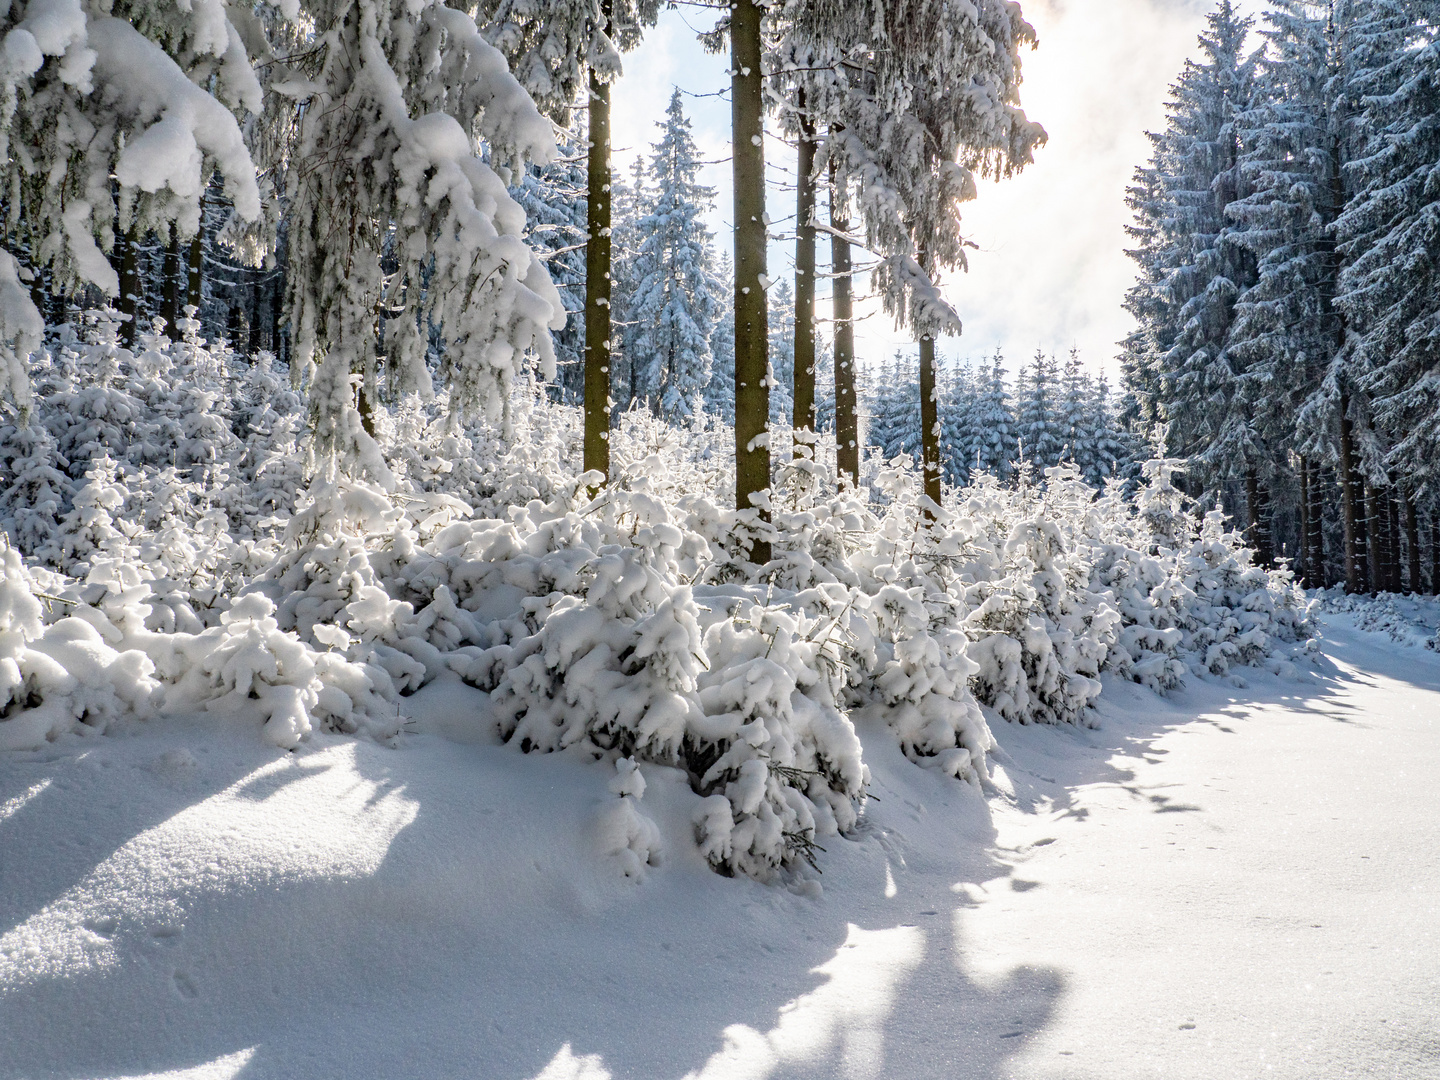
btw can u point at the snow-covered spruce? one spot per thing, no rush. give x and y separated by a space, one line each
212 578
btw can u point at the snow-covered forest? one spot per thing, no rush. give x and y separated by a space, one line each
1287 303
355 402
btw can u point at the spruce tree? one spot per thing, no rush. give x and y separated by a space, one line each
673 307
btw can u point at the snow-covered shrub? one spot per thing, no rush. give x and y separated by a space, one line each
63 676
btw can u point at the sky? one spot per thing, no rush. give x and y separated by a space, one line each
1050 272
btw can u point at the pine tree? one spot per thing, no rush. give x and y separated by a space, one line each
1038 425
1389 233
113 117
673 306
997 444
1077 416
1193 263
782 355
553 198
555 46
720 391
416 227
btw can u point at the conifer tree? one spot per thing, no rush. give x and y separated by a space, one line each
673 307
997 444
1038 425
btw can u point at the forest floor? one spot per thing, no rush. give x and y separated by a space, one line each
1232 882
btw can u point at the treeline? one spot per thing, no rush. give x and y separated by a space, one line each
1287 234
1053 415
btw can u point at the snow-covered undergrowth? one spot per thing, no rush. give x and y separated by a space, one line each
180 558
1406 619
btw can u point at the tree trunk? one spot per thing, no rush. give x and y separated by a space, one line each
1373 561
929 424
847 421
1259 534
1434 552
803 417
598 277
130 288
171 297
195 282
1318 578
1306 574
1392 530
1412 541
1349 497
752 335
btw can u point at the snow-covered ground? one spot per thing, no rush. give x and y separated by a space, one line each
1231 882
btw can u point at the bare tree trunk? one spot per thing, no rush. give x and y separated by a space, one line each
1435 552
929 423
171 314
847 420
1412 541
1392 534
1373 566
597 277
1349 497
1306 562
130 288
195 280
803 417
752 335
1259 534
1316 522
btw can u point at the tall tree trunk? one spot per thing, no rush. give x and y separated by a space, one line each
1306 561
847 419
1392 530
598 276
253 345
1349 498
752 334
803 417
1412 541
130 288
929 423
1374 570
171 296
195 280
1255 508
1316 524
1435 552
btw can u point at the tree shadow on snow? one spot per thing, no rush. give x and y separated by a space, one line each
513 952
492 941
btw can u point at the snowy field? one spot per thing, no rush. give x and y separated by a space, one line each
1231 882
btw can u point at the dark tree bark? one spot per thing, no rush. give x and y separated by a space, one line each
1306 570
847 423
597 276
803 417
1349 501
195 279
1412 542
1392 535
752 336
1255 512
130 288
1315 524
1435 552
1374 567
171 296
929 423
